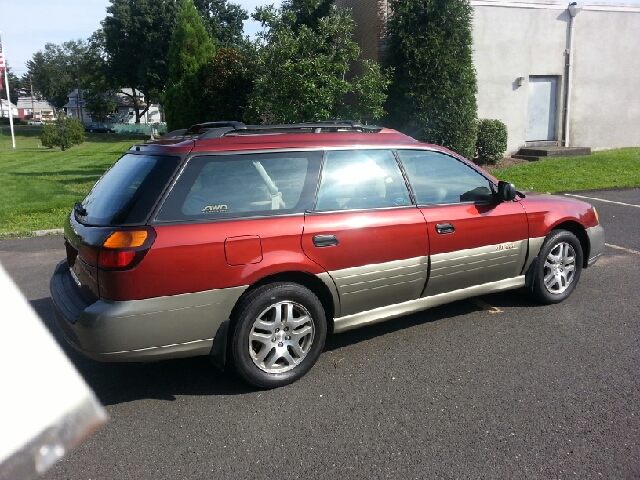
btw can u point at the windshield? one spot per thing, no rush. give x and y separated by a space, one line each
127 192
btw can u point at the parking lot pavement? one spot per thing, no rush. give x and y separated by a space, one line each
619 212
456 391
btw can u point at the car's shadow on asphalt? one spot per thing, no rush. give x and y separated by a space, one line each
115 383
508 299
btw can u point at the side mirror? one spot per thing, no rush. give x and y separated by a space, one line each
506 191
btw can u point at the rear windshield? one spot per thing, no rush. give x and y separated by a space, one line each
128 191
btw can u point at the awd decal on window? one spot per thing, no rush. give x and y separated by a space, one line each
215 208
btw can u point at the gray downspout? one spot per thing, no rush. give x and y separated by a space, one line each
573 11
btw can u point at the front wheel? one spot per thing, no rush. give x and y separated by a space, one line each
278 335
558 268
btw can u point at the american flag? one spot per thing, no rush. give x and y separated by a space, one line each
1 57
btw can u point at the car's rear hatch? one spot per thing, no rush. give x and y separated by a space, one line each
108 230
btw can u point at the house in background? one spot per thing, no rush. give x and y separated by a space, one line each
34 109
554 74
5 105
76 107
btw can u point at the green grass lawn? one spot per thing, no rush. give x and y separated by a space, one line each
39 185
605 169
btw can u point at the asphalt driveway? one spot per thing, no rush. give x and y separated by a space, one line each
500 388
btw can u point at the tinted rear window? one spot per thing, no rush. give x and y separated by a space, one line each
128 191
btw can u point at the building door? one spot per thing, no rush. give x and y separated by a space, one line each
542 108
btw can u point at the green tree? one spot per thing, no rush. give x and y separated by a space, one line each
57 70
227 82
301 72
64 132
432 95
223 20
190 49
15 85
137 34
307 12
99 90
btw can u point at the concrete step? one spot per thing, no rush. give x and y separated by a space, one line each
531 158
547 152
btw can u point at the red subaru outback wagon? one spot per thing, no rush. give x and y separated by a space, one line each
251 243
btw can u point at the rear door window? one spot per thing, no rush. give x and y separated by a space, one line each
437 178
361 179
238 185
128 191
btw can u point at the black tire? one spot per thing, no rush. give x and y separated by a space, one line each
288 328
560 250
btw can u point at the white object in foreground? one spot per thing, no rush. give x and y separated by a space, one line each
47 408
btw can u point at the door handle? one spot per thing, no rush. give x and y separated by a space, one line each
444 228
325 240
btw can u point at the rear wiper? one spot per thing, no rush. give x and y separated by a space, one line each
79 209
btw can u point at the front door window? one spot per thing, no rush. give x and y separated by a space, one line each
474 239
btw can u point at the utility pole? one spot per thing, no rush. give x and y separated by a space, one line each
33 108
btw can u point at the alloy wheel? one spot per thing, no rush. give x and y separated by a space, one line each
559 268
281 337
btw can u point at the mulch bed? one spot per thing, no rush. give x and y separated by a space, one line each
505 162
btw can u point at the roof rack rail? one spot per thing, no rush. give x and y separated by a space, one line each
200 128
223 128
173 134
216 132
309 127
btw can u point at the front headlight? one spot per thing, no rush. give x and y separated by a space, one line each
596 214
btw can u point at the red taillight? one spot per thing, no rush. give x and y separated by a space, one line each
125 248
115 258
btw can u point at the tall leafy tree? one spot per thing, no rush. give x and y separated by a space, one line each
190 49
100 91
15 85
137 34
57 70
223 20
301 72
307 12
432 95
227 82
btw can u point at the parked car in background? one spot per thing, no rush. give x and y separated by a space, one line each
98 128
251 244
35 122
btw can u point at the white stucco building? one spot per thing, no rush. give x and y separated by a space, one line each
547 87
522 55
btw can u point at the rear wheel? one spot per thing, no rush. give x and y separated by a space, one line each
278 335
558 268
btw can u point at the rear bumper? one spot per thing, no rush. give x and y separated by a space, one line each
139 330
596 242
